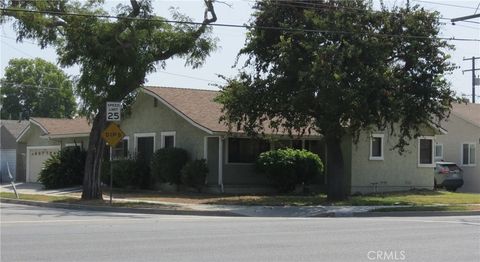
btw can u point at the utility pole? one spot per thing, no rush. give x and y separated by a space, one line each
473 74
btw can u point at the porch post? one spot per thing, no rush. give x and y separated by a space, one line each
220 163
205 148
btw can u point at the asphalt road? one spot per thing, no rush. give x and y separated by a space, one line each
41 234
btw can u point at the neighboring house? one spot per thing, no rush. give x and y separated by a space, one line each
45 136
189 119
462 144
10 151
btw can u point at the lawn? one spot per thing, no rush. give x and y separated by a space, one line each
419 198
410 198
76 200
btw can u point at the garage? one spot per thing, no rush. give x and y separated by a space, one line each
36 157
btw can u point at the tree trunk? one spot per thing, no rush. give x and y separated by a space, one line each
336 180
96 146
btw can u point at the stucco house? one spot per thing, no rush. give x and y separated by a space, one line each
45 136
189 118
462 144
10 151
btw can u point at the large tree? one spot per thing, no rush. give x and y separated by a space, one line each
340 68
114 53
35 87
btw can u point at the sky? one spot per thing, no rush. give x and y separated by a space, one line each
231 40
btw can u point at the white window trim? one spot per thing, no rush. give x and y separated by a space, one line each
168 133
469 156
137 135
72 144
382 136
433 151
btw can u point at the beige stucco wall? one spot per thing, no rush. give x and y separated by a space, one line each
394 173
459 132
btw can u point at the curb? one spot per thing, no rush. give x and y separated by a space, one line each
120 209
416 213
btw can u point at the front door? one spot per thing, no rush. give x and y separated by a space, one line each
145 148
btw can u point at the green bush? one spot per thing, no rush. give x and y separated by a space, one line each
167 163
127 173
64 169
288 167
194 174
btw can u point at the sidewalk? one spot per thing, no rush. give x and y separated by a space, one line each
200 209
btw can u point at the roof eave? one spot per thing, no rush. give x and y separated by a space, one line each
19 138
53 136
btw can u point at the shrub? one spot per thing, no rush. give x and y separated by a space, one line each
64 169
167 163
128 173
194 174
287 168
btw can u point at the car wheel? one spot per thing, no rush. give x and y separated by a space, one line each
451 189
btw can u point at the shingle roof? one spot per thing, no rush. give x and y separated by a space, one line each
468 112
15 127
195 104
198 106
62 126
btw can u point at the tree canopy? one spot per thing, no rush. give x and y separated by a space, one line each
35 87
340 68
115 51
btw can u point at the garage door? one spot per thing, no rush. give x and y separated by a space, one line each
35 159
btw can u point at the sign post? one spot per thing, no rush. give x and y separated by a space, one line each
112 134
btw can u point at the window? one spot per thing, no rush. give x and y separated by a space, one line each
73 145
282 144
468 154
313 146
438 151
376 147
246 150
297 144
120 151
425 152
168 139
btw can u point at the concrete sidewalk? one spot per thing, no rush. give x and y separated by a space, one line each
200 209
253 211
37 188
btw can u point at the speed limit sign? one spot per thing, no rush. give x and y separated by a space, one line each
113 111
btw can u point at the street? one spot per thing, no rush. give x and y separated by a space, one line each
41 234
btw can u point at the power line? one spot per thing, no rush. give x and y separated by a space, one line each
443 4
191 77
240 26
318 6
19 50
23 41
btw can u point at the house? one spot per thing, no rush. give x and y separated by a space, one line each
45 136
462 144
11 153
189 118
